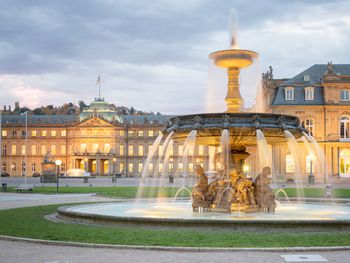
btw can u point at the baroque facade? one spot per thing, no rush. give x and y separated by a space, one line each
320 97
98 140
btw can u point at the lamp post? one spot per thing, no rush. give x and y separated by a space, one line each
25 146
58 163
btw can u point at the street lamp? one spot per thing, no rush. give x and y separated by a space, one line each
58 163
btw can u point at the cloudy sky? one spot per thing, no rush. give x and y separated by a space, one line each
153 55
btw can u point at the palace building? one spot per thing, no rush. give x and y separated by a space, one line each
320 97
97 140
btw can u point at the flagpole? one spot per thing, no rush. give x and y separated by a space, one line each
99 89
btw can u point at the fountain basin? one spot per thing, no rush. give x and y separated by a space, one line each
242 127
179 214
236 58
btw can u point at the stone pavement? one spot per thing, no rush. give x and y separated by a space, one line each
19 251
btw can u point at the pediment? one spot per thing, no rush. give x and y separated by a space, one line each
95 122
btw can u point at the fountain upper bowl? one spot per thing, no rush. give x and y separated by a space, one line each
233 58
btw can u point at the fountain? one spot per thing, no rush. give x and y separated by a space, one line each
231 199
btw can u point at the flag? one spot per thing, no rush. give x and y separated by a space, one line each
98 82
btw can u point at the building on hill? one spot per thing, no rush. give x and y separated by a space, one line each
98 140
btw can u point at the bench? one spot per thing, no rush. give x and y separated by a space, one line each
25 187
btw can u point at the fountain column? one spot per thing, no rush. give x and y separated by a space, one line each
233 98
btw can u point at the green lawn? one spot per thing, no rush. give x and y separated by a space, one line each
30 222
131 192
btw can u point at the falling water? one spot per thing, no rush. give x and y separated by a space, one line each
233 24
149 159
321 159
165 170
295 152
312 155
161 153
189 144
264 157
212 151
225 151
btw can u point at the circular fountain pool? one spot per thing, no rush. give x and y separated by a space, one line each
180 214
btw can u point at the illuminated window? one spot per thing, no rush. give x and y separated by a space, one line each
53 149
310 163
181 150
190 167
4 133
33 150
344 95
309 93
131 167
63 149
121 133
107 148
140 167
289 93
290 166
181 167
82 147
344 162
150 133
121 149
23 149
33 133
150 167
130 133
121 167
63 133
140 150
140 133
309 125
53 133
200 150
43 149
131 149
43 133
94 147
171 167
13 167
170 149
160 167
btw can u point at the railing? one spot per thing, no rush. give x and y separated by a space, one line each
334 137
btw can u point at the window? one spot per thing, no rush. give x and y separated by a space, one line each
107 148
13 149
181 150
190 167
140 133
43 149
344 162
121 167
170 148
43 133
94 147
63 167
290 167
140 168
23 149
121 149
200 150
289 93
309 125
150 133
23 166
131 167
130 133
150 167
14 133
82 147
4 133
63 149
63 133
309 93
13 167
131 149
4 149
24 133
310 164
4 166
344 128
344 95
160 167
306 78
190 149
33 149
53 149
33 167
180 167
140 150
121 133
33 133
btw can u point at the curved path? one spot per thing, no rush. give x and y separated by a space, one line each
22 251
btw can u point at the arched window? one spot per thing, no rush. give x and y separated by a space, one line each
344 128
290 166
4 149
309 125
140 150
82 147
131 150
95 147
107 148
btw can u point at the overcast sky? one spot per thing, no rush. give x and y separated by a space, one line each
153 55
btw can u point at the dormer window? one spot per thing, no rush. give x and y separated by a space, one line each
344 95
306 78
309 93
289 93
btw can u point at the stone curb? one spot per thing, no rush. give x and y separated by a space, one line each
178 249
